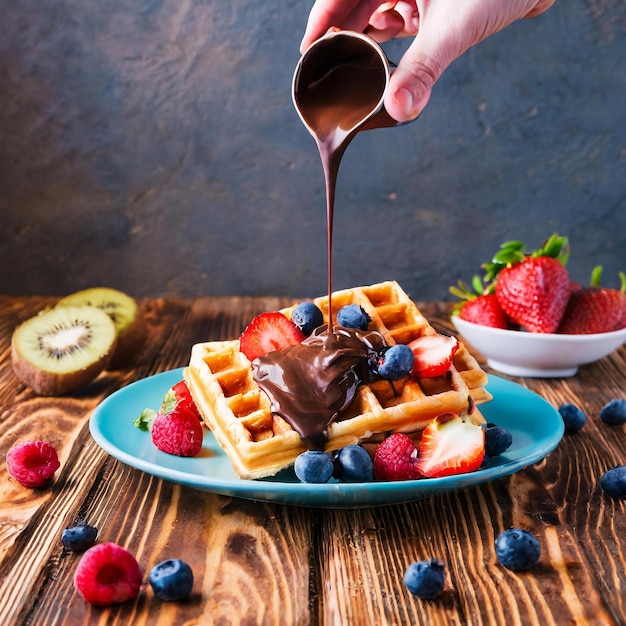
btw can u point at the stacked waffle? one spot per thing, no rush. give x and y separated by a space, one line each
260 443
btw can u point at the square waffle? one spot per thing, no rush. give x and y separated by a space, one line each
260 443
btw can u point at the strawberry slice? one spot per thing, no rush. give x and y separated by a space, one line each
268 332
449 446
433 354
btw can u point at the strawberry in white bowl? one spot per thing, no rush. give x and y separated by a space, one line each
528 318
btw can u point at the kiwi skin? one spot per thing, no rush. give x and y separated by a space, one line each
126 315
48 382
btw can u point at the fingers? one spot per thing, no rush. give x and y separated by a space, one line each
345 14
541 7
395 19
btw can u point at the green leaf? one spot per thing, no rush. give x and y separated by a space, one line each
556 247
169 402
477 285
145 419
596 276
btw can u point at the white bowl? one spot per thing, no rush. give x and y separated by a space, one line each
537 355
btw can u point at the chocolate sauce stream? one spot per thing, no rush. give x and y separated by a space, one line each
339 86
308 384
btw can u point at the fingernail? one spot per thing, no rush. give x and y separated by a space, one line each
405 99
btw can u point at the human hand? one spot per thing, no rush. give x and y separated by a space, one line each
442 29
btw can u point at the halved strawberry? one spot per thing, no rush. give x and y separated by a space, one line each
268 332
433 354
450 445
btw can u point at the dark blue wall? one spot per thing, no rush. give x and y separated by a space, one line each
152 146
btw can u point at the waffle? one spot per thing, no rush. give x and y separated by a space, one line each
259 443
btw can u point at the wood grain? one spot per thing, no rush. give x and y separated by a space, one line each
260 563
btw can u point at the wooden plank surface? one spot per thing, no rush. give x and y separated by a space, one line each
271 564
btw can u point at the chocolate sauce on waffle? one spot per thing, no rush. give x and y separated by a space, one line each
310 383
336 92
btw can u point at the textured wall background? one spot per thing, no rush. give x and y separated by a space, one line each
152 146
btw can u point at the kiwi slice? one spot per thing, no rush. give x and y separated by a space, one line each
63 349
126 316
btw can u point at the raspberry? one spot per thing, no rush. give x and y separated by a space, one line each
395 458
178 432
32 463
108 574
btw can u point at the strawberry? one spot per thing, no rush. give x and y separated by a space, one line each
534 293
479 305
433 354
486 311
594 309
450 445
177 397
532 289
268 332
395 458
184 399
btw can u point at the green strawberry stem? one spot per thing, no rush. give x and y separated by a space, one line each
465 293
596 279
513 252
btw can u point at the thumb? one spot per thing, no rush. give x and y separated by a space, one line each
412 81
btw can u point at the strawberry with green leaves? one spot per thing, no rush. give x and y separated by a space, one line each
533 289
479 304
595 309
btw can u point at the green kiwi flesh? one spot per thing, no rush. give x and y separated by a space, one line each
63 349
125 314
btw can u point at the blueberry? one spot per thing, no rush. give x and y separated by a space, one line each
425 579
573 418
517 549
307 317
80 537
396 362
314 466
614 413
613 482
354 465
353 316
171 580
497 440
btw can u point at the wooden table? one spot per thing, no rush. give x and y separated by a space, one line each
271 564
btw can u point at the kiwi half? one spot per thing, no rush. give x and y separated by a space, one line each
125 314
63 349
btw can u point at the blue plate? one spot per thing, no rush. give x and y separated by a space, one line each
536 426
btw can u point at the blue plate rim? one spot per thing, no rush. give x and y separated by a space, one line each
330 495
